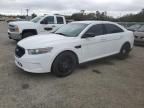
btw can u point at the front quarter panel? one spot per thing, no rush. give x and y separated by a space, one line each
67 47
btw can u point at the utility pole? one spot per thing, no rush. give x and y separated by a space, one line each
21 11
27 10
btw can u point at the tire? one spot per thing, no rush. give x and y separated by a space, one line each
27 34
64 64
124 52
17 40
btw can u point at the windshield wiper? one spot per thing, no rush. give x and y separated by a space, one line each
61 34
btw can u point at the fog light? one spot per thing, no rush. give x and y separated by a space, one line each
20 64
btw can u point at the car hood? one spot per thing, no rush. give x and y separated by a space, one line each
22 23
140 34
41 41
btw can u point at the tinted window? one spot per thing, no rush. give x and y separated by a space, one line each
49 20
60 20
96 29
110 28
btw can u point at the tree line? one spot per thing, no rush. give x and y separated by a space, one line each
138 17
82 15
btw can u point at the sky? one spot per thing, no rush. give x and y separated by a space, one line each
114 8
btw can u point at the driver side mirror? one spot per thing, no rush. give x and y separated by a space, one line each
88 35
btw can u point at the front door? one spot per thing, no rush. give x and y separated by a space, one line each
48 24
93 47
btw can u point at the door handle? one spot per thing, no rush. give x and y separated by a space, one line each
78 46
48 29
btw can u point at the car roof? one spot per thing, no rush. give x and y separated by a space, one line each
53 15
93 22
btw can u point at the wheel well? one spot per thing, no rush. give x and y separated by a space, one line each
126 43
30 30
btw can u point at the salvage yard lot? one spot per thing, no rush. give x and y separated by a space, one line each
105 83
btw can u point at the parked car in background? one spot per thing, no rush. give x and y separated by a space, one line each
72 44
14 20
39 25
139 36
134 27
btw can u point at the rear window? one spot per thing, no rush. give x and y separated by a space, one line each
60 20
111 28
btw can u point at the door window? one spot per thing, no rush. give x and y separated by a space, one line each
96 30
111 28
49 20
60 20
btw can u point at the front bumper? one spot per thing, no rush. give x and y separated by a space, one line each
34 64
139 41
14 36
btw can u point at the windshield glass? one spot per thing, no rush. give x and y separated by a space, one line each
71 30
136 26
36 19
141 29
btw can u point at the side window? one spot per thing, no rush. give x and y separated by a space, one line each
49 20
60 20
96 30
110 28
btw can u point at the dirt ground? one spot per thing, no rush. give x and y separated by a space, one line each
105 83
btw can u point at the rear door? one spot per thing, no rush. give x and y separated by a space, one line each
112 39
60 21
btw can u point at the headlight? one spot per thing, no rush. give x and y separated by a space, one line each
16 29
39 51
13 28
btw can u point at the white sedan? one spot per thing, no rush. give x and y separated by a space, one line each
72 44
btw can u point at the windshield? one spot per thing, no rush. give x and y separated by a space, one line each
36 19
134 27
141 29
71 30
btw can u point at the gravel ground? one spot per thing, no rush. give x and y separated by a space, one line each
105 83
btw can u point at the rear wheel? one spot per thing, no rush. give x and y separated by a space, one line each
27 34
124 52
64 64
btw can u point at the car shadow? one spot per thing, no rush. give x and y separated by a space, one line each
109 61
103 61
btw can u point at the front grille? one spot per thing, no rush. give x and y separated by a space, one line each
12 29
11 25
139 37
19 51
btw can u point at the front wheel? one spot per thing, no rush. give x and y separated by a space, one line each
124 52
64 64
